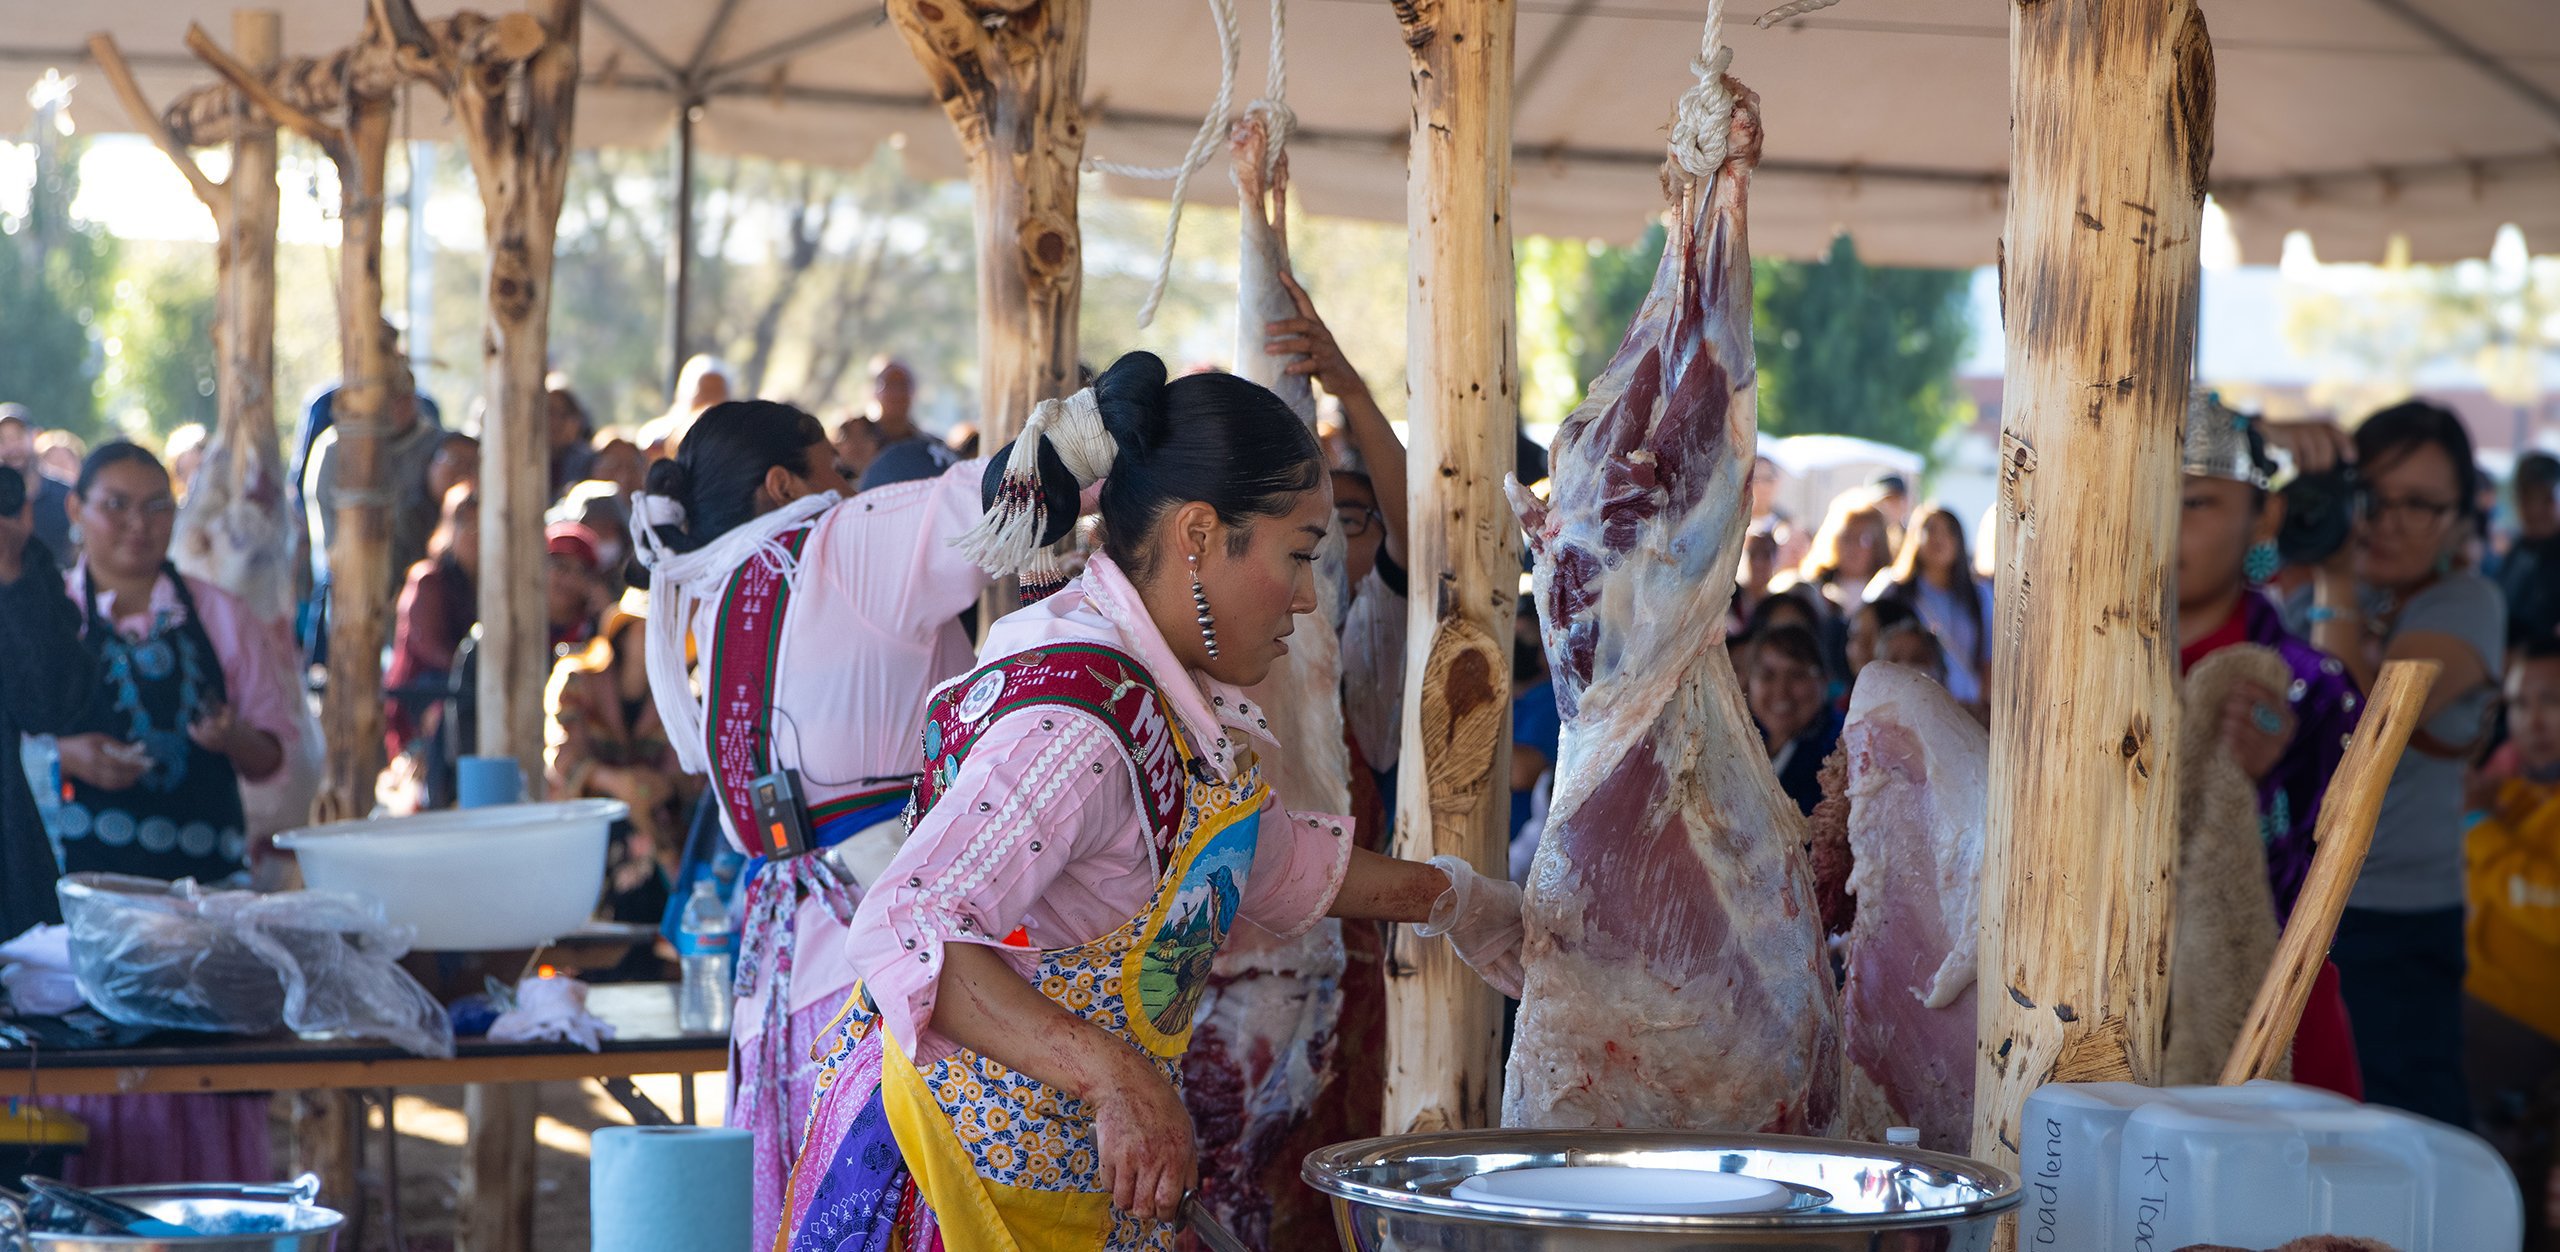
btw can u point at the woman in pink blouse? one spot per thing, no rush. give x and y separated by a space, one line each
817 622
196 696
1092 821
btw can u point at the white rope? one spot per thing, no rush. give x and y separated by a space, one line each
1797 9
1277 117
1204 145
684 597
1701 132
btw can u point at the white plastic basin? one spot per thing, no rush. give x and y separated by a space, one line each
506 876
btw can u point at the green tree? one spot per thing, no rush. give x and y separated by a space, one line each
53 273
1846 348
159 338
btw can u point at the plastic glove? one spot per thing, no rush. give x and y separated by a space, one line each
1481 917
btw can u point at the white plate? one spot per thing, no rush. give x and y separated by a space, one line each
1626 1189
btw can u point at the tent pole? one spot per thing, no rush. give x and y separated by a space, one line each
1010 75
2113 136
680 238
1444 1025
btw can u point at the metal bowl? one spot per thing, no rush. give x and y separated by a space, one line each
232 1218
1393 1194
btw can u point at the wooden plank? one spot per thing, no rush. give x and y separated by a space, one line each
2110 142
185 1079
498 1174
1444 1026
2348 812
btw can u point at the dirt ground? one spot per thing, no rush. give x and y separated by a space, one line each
429 1151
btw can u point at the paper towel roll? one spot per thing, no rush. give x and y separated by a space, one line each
671 1189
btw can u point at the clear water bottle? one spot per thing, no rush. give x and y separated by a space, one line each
705 945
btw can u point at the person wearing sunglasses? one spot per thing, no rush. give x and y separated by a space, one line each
2400 592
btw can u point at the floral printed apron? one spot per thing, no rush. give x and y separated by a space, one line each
965 1153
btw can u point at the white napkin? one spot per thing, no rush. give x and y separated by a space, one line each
35 968
552 1010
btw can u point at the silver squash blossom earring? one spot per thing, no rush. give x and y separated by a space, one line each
1200 601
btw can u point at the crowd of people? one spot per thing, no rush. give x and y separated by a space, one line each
150 704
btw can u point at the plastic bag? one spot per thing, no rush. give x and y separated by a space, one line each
177 956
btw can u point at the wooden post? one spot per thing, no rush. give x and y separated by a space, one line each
2111 136
358 81
1444 1067
1010 73
498 1168
512 83
248 320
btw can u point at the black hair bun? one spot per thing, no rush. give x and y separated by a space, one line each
1060 496
1131 395
668 478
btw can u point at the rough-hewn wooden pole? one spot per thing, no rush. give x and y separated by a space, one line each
1444 1026
512 81
248 376
359 81
2109 143
1010 73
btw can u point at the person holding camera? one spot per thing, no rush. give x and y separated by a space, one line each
2396 591
46 683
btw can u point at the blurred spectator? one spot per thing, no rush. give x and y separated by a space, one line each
573 595
185 451
573 456
1759 566
1537 729
49 496
410 442
1766 516
457 461
604 739
1935 576
319 413
964 440
595 505
1848 551
2394 593
906 453
1529 461
620 462
1893 499
1794 606
703 382
437 608
47 681
1789 700
60 453
1868 627
857 444
2513 936
2530 574
1909 643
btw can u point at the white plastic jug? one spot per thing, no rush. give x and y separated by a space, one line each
2115 1167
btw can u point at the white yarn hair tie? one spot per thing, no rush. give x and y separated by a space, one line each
1008 539
649 510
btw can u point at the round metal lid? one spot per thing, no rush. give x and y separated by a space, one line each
1839 1184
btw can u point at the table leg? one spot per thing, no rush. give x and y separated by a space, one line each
497 1168
328 1140
687 1110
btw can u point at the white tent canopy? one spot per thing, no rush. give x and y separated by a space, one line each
2352 119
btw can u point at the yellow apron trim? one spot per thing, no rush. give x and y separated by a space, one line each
974 1213
1210 826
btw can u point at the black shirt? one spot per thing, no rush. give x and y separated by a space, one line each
47 681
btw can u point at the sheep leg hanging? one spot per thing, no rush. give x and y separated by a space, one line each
1675 970
1264 1050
